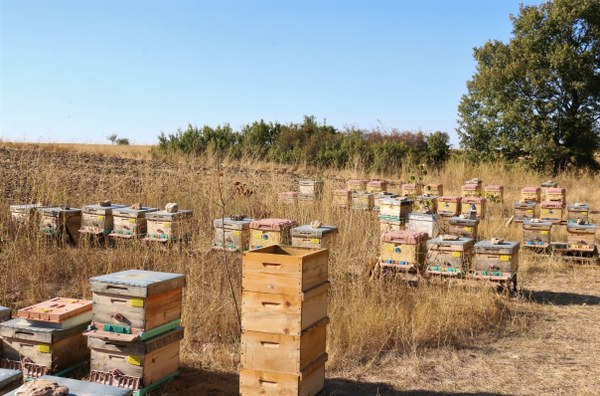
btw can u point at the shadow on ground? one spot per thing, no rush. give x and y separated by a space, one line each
344 387
560 298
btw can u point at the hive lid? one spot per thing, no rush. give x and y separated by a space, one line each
385 195
519 204
459 241
530 189
129 210
84 388
272 224
463 221
589 227
163 214
228 221
308 230
23 329
395 201
409 185
309 182
478 200
423 216
494 187
470 186
449 198
357 181
24 207
405 236
376 182
555 190
8 377
551 205
94 207
537 222
151 282
55 310
579 206
59 211
508 246
549 183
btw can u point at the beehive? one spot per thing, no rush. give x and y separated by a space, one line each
4 313
342 198
165 226
49 350
436 189
524 210
536 233
312 189
494 193
477 181
269 232
578 211
404 250
84 388
60 222
232 235
530 194
479 203
556 194
139 363
307 236
496 261
471 190
449 255
412 190
449 205
394 209
581 236
546 185
551 211
24 213
130 222
379 197
425 204
9 379
135 301
97 219
376 186
391 225
357 184
463 227
288 197
423 222
363 200
58 312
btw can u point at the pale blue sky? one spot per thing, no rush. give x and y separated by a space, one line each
76 71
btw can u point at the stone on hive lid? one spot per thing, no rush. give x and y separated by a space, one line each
315 224
136 205
497 241
106 203
172 207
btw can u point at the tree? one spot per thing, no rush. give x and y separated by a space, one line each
538 97
122 141
438 149
112 137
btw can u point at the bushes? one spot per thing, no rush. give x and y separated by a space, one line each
311 143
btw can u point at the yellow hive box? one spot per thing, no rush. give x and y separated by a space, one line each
403 250
478 202
342 198
471 190
530 194
494 193
270 232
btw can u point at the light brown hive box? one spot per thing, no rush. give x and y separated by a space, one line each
130 222
524 210
412 189
530 194
552 211
403 250
581 237
288 197
537 233
578 211
480 204
496 261
60 222
310 189
449 205
463 227
363 200
495 193
232 234
165 226
270 232
471 190
377 186
357 185
342 198
449 256
97 219
24 213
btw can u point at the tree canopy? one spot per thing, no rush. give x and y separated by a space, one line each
537 97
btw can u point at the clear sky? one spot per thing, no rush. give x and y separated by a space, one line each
77 71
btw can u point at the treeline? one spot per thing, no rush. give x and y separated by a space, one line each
311 143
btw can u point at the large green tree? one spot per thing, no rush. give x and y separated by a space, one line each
538 96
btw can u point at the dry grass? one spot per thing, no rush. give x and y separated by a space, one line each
374 324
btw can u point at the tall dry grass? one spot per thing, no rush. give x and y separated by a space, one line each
369 318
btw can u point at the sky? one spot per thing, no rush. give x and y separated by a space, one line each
80 70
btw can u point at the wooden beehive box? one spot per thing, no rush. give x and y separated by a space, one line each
494 193
530 194
412 190
10 379
144 362
311 188
578 211
581 236
307 236
496 261
288 197
403 250
556 194
471 190
357 184
394 209
270 232
475 180
310 382
449 205
58 312
391 225
24 213
546 185
130 223
164 226
4 313
552 211
379 197
376 186
97 219
287 354
463 227
436 189
136 301
536 233
524 210
363 200
449 256
425 204
423 222
342 198
232 235
479 203
84 388
49 349
60 222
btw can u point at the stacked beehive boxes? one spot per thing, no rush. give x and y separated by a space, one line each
310 190
315 236
269 232
284 319
357 185
581 236
130 222
412 190
97 219
376 186
537 233
135 333
494 193
404 250
479 204
578 211
60 222
24 214
363 200
448 206
232 234
554 204
496 260
169 225
393 213
288 197
524 210
46 337
10 379
342 198
463 226
436 189
427 223
449 255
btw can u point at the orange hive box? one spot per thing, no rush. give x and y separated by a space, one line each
57 310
